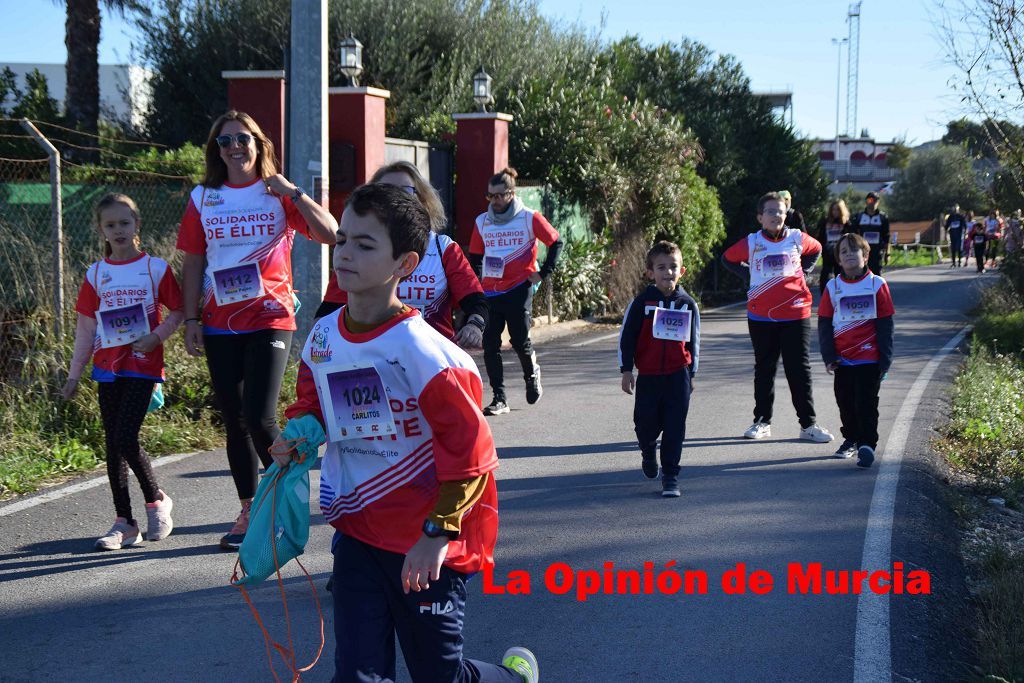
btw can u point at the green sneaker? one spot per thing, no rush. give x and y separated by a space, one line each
522 661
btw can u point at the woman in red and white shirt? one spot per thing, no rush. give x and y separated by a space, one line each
119 325
237 236
442 280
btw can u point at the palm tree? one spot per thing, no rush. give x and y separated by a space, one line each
82 38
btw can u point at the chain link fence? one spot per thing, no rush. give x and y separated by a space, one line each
28 271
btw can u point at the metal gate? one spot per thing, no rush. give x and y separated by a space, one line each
434 161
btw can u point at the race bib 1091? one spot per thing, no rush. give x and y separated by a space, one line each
124 325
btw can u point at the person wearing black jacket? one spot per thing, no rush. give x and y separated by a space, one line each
830 229
794 219
955 225
661 338
873 226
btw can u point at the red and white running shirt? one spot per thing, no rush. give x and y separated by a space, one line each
441 280
778 291
111 285
510 250
243 226
854 306
379 489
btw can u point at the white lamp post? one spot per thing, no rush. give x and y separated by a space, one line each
839 64
482 89
352 59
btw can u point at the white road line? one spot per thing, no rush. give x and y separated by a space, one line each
872 659
614 335
81 486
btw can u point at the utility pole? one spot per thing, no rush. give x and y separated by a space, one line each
307 163
853 57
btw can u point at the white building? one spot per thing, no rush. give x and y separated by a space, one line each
124 88
860 161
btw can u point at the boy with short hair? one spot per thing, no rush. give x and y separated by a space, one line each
407 477
661 337
855 331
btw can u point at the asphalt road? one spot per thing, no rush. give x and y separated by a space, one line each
570 492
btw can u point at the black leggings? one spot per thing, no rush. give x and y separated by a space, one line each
513 308
956 243
123 405
979 256
246 371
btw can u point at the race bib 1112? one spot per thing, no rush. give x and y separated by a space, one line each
240 282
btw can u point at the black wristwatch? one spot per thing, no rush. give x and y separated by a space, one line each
431 530
298 194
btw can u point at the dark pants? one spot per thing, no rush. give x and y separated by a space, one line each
956 243
828 268
875 259
992 250
792 340
123 405
662 404
246 371
370 608
979 256
513 308
856 388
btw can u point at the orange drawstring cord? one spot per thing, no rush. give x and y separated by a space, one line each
287 654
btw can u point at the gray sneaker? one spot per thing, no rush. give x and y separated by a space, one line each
497 407
159 515
121 535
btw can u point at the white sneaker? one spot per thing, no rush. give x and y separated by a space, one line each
816 434
758 430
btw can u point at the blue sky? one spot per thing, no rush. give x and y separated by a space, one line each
903 76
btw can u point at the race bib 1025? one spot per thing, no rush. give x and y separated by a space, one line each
671 325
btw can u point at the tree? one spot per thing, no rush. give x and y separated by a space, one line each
82 68
898 156
934 180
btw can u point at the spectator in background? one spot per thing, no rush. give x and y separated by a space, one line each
794 219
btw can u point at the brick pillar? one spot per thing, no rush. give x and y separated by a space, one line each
481 150
261 95
356 138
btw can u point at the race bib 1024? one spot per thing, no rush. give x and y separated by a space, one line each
356 402
123 325
240 282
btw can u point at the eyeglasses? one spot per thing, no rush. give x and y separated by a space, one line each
773 213
491 196
408 188
243 140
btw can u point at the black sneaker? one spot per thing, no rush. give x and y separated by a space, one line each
847 450
533 388
669 488
497 407
649 465
865 456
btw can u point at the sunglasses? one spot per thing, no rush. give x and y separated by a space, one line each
491 196
408 188
243 140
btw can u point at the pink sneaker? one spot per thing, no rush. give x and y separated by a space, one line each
232 539
159 515
121 535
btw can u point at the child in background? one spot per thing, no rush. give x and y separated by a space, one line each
119 324
407 477
661 337
978 237
855 331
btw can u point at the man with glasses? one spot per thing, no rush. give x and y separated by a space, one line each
503 252
778 313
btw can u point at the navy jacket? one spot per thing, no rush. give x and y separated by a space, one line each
650 356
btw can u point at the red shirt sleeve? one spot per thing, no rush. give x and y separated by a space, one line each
462 441
825 309
476 242
543 230
191 238
738 253
293 217
883 302
461 279
811 245
169 293
88 300
306 398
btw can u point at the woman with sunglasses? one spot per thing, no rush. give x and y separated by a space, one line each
503 249
442 279
237 236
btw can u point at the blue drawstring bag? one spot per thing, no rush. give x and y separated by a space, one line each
278 522
156 400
